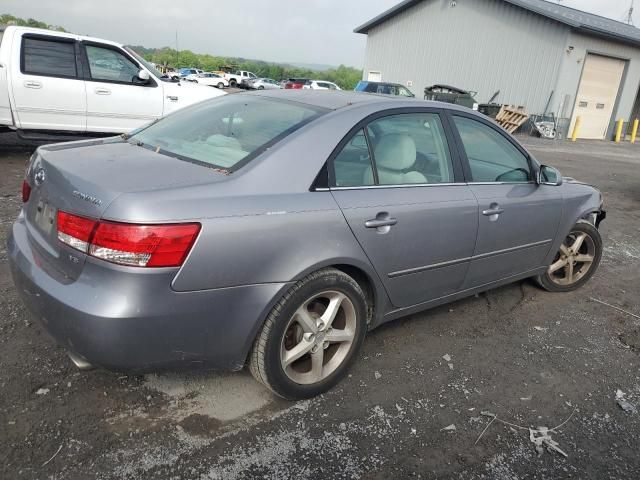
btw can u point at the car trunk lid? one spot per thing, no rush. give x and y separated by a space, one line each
84 178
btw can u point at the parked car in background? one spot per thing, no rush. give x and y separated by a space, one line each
383 88
296 83
189 73
141 253
55 82
212 80
449 94
235 79
321 85
263 84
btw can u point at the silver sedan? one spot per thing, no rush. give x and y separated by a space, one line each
264 84
275 229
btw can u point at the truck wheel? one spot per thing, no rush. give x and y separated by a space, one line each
576 261
233 83
311 336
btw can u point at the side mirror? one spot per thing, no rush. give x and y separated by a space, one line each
549 176
143 75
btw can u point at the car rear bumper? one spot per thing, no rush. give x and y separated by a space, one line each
130 319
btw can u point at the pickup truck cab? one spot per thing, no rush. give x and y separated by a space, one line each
56 83
235 79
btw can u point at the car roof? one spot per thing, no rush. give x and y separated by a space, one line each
337 99
382 83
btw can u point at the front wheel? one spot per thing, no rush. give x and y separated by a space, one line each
233 83
221 85
576 261
311 336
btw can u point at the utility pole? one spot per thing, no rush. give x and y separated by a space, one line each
177 51
630 14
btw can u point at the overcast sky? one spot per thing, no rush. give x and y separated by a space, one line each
310 31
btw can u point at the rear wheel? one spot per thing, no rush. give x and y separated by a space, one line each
576 261
233 83
221 85
260 87
311 336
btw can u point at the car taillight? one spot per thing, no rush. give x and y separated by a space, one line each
129 244
75 231
26 191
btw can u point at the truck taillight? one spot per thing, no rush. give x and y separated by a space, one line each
129 244
26 191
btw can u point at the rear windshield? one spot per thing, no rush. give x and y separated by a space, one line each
225 132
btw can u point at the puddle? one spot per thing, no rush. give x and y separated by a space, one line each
220 396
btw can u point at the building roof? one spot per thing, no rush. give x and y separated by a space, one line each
576 19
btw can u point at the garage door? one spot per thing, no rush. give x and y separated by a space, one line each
597 94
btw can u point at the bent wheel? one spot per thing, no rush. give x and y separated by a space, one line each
576 261
311 336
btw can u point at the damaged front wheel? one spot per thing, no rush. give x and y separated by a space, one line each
576 261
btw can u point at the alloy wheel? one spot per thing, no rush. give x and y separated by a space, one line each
574 260
318 337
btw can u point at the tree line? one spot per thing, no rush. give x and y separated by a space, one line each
6 19
345 77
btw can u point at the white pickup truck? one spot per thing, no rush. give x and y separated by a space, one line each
59 83
235 79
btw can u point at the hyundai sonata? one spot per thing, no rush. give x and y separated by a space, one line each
276 228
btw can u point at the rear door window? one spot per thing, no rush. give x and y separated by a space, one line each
49 57
406 149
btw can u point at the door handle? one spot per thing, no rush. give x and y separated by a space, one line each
494 209
173 98
103 91
381 222
32 84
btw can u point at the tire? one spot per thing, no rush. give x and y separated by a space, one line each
325 363
220 85
260 87
233 83
564 279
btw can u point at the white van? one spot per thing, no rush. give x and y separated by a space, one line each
53 82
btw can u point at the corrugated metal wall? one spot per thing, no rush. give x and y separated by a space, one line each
573 63
481 45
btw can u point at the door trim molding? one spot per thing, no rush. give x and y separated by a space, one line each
458 261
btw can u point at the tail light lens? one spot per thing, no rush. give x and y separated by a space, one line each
26 191
129 244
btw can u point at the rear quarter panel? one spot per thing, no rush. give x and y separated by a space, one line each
293 235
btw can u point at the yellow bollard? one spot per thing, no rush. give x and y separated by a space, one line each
576 129
619 130
634 132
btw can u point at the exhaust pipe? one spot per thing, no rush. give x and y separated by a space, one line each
80 362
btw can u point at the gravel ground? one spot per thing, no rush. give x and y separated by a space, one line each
411 407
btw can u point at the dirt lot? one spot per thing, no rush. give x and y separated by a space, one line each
531 358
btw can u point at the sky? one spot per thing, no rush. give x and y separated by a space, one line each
299 31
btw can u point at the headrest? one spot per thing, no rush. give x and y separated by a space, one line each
395 151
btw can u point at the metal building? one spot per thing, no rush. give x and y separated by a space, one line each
538 54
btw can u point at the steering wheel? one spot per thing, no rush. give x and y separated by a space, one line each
504 176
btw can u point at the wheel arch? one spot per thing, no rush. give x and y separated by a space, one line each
365 276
